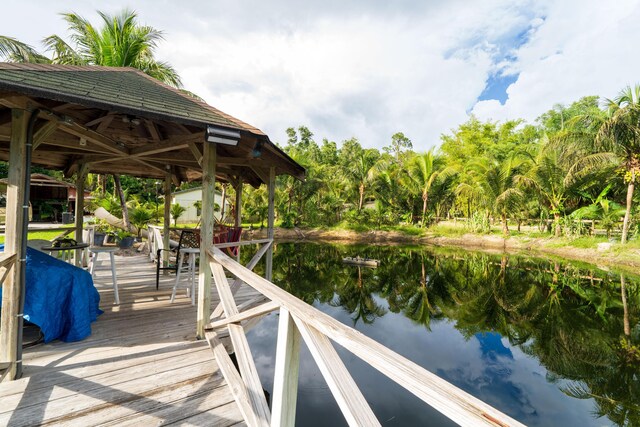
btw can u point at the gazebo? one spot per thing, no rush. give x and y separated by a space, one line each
82 119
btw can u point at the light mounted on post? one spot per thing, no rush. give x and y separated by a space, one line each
222 135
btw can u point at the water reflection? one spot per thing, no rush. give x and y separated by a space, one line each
549 343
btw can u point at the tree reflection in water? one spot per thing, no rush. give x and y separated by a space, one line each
580 323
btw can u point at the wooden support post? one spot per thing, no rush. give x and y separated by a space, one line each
206 236
79 209
270 222
238 217
285 381
167 220
9 322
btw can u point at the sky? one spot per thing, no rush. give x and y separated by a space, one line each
369 69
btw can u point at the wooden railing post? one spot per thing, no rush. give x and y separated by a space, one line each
270 222
79 208
285 382
238 216
167 220
9 321
206 236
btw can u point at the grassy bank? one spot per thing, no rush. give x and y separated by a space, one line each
597 250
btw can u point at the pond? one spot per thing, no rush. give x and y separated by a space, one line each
546 342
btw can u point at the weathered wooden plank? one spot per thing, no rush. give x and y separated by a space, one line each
217 312
59 410
206 236
270 222
70 382
239 317
354 406
9 322
285 378
451 401
237 386
244 358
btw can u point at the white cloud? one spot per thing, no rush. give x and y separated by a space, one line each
370 69
576 52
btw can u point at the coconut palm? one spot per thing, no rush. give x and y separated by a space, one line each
121 42
363 172
16 51
620 135
424 172
497 183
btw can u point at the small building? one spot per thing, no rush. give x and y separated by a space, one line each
189 198
49 198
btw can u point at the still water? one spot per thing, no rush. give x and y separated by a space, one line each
549 343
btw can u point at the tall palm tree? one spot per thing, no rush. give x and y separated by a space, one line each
363 172
423 172
16 51
620 134
121 42
497 181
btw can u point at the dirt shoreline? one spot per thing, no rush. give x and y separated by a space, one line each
628 260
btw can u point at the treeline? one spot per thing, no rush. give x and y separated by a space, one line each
575 162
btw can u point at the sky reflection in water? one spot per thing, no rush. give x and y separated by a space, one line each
477 358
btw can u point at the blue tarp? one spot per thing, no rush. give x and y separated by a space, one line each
60 298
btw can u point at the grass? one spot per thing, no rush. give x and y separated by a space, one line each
43 235
448 230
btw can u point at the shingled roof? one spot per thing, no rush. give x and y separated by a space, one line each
104 112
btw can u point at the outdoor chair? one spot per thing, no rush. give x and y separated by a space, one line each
228 235
188 239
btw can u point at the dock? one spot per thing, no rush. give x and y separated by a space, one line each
141 365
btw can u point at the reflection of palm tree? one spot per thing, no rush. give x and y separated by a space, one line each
358 300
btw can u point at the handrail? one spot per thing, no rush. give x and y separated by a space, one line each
316 327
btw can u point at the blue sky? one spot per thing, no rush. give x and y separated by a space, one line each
368 69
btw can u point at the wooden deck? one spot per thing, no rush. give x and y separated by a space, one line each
140 366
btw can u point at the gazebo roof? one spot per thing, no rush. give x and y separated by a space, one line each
119 120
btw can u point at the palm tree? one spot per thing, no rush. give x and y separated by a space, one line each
548 175
121 42
423 173
620 134
363 172
16 51
497 181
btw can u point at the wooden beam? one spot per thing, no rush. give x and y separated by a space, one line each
167 219
195 151
83 169
206 236
9 322
344 389
217 312
95 137
265 308
43 132
244 358
285 378
104 124
99 120
270 222
153 130
233 379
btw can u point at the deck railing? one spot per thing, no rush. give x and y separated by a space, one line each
300 321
